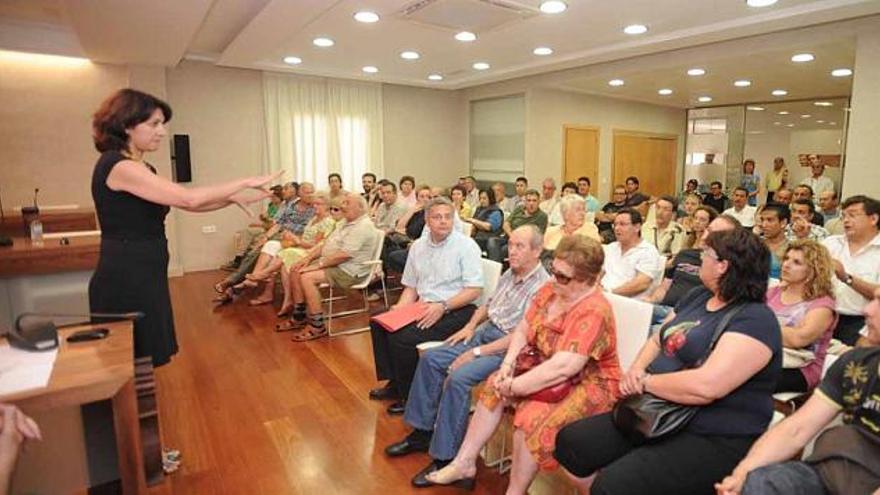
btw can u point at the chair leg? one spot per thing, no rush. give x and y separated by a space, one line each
384 291
364 309
329 318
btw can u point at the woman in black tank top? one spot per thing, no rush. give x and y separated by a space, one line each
131 202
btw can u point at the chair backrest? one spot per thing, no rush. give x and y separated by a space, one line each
376 270
829 360
633 321
491 274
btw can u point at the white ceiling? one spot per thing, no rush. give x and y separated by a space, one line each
259 33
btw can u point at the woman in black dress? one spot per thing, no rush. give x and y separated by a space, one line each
131 201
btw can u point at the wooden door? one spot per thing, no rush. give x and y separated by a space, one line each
581 154
650 157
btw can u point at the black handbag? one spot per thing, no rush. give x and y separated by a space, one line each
645 416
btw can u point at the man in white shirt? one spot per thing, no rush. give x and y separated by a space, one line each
666 235
856 256
818 182
391 210
548 196
741 209
632 265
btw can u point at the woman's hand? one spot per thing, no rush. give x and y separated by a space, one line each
633 382
259 182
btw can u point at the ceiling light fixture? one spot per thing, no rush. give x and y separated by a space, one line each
789 125
755 109
760 3
542 50
777 123
704 99
636 29
366 17
466 36
806 116
291 60
664 92
553 7
696 71
820 121
409 55
742 83
803 57
823 103
323 42
369 69
841 72
481 66
784 112
779 92
616 82
435 77
832 123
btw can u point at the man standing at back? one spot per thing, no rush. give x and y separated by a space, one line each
817 181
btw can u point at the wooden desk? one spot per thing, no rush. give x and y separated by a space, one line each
52 220
93 371
49 256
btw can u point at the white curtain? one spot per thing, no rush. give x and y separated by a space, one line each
316 126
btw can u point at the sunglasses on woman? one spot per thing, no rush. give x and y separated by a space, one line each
561 278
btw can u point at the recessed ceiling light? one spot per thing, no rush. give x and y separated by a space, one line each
779 92
410 55
777 123
832 123
755 132
542 50
789 125
636 29
696 71
435 77
553 7
823 103
841 72
820 121
481 66
466 36
760 3
805 116
664 91
369 69
704 99
292 60
366 17
323 42
803 57
755 109
742 83
783 112
616 82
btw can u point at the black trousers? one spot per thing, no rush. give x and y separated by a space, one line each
791 380
395 353
848 326
681 464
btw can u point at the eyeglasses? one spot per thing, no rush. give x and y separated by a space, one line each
561 278
335 208
704 254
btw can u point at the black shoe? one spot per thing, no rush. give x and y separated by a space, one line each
404 447
397 408
388 392
419 480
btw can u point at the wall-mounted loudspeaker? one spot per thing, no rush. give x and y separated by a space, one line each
181 167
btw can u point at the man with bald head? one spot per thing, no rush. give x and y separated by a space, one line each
341 261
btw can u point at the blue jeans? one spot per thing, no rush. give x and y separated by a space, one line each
444 407
787 478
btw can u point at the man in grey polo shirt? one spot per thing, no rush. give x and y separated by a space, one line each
340 261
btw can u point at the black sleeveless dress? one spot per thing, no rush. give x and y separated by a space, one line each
132 272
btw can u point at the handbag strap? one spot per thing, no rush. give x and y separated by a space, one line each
719 329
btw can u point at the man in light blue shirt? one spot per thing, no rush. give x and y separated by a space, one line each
444 270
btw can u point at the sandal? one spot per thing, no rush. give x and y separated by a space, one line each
259 302
220 287
225 297
289 325
451 476
309 333
246 284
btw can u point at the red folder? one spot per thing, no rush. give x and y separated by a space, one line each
401 316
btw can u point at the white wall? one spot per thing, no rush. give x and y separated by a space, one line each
862 146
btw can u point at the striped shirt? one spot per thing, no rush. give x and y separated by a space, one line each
439 271
512 296
293 219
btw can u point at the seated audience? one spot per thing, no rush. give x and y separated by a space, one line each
444 271
783 196
570 325
844 458
856 256
334 182
555 216
666 235
549 199
440 395
802 227
504 202
371 192
632 264
521 185
803 191
462 207
390 210
715 197
700 220
686 211
573 212
830 209
409 228
817 182
487 220
732 387
804 305
473 194
690 189
527 214
750 181
407 187
583 190
340 261
740 209
634 197
774 219
605 218
16 430
246 237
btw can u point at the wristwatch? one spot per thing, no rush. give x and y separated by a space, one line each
848 279
445 306
477 352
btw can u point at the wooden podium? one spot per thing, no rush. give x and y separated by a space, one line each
94 371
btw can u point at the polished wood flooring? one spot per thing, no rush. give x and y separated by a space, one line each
253 412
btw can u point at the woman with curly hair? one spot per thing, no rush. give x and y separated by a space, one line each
804 305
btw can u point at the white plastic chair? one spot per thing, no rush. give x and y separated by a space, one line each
376 273
633 320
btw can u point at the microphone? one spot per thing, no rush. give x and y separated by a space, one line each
42 335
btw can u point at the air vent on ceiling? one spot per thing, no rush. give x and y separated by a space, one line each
479 16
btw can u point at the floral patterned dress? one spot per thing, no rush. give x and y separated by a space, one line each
588 329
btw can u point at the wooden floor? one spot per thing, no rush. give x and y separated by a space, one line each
253 412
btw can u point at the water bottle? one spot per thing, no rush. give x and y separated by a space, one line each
36 230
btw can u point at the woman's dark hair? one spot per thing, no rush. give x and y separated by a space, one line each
276 191
748 262
123 110
410 179
459 189
489 194
570 185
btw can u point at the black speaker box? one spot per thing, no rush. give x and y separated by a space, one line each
181 166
